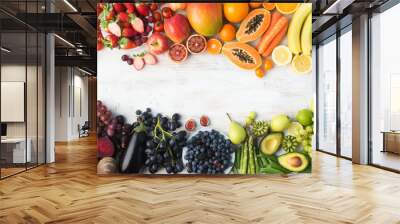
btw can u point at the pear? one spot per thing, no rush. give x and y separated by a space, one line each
236 133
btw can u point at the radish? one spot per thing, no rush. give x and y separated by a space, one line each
138 63
114 28
150 59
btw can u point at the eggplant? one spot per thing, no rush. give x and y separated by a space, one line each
132 159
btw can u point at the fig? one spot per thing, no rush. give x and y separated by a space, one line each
190 125
196 44
178 53
204 121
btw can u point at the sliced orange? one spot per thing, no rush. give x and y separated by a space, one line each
214 46
269 6
287 8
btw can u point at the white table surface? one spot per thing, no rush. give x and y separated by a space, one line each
203 84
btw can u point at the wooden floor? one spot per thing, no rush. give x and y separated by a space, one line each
69 191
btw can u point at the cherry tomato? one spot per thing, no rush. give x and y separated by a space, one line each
159 26
167 12
153 6
157 16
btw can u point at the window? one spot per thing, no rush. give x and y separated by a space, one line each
385 89
346 93
327 96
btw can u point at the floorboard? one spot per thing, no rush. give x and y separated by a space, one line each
69 191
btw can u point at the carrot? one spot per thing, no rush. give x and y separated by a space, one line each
277 39
274 18
268 37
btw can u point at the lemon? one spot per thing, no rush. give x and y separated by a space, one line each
281 55
302 64
294 129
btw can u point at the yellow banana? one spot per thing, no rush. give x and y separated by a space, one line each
295 26
306 36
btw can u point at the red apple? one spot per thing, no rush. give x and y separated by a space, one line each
177 28
157 43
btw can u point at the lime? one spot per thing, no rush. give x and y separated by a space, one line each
305 117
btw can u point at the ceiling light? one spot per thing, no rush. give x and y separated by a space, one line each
70 5
64 40
84 71
5 49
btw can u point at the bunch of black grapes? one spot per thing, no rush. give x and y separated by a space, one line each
164 143
208 152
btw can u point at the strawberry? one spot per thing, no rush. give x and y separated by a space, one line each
142 9
126 25
110 15
114 28
107 13
100 45
99 8
119 7
137 24
150 59
123 17
128 32
125 43
110 41
104 26
138 63
130 7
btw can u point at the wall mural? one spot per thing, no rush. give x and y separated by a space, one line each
204 88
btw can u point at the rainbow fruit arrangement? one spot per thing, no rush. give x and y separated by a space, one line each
250 35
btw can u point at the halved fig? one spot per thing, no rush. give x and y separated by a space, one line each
204 121
190 125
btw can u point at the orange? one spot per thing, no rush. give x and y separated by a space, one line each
228 32
260 73
269 6
214 46
268 64
255 4
236 12
287 8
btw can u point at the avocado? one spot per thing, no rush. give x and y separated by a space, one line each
270 144
294 161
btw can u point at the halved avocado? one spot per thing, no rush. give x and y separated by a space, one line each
294 161
270 144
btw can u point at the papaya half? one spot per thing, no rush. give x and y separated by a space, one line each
254 25
242 55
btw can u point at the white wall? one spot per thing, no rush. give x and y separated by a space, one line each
70 83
